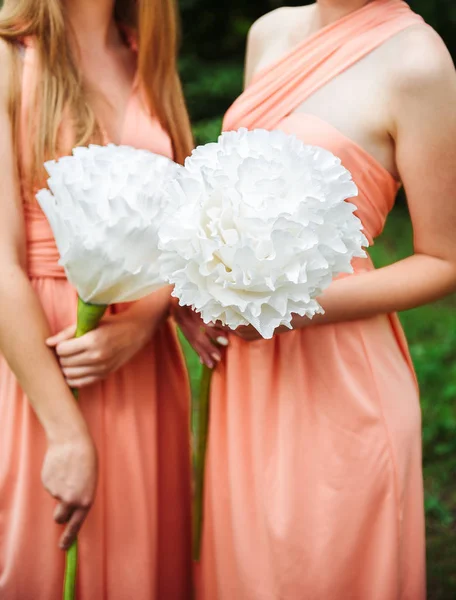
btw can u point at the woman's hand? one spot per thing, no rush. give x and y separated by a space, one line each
69 474
248 333
206 340
92 357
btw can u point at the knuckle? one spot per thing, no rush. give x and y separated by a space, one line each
82 383
86 503
72 531
97 354
68 499
94 340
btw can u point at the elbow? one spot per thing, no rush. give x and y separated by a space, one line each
443 270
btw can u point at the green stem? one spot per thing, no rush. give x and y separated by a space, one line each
89 317
200 420
71 564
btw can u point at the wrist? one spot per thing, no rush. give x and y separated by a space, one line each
66 426
147 314
66 432
142 324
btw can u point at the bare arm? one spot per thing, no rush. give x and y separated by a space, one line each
423 102
23 330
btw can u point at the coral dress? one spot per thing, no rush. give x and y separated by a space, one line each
314 482
135 544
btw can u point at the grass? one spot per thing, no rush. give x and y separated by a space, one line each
431 332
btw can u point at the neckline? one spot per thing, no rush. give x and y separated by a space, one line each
124 121
130 39
326 29
365 153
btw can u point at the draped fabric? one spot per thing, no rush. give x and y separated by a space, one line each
135 543
314 483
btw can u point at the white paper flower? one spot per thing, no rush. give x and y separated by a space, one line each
104 210
260 229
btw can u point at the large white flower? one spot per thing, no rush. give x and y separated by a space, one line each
104 210
260 227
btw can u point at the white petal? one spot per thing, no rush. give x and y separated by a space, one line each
265 228
107 205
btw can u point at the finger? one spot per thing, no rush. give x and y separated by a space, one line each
72 529
83 359
208 357
205 358
206 361
75 345
63 513
75 373
217 336
207 347
83 382
221 340
65 334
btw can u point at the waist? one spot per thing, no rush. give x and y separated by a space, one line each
42 254
43 260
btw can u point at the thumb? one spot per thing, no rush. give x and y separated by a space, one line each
62 336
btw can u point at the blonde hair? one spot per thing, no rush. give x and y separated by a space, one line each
60 90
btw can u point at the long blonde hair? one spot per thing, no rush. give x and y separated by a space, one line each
60 88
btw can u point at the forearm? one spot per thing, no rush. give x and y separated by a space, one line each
409 283
23 330
152 310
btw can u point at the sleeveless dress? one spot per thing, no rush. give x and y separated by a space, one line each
313 481
135 543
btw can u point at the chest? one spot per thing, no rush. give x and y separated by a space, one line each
354 99
109 80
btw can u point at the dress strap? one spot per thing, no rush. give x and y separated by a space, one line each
282 87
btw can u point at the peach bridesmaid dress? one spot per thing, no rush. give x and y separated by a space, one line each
135 543
314 483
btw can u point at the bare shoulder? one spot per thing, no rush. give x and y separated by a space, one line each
422 61
273 34
277 22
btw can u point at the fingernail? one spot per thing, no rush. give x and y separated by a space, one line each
210 364
211 324
216 357
222 341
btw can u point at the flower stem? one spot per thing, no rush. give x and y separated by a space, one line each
89 316
71 563
200 421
